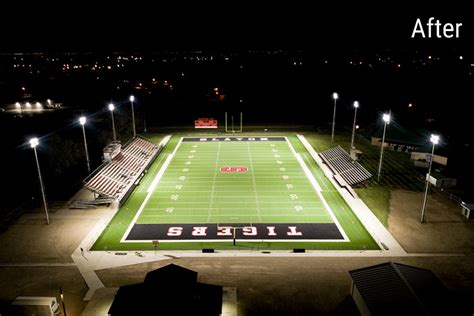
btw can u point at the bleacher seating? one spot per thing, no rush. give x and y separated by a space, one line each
341 163
115 177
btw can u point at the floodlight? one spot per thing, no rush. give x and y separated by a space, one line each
34 142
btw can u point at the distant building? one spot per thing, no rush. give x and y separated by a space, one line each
438 177
396 289
422 158
440 180
399 139
467 210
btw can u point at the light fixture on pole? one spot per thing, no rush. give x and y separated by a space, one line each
356 106
111 109
434 139
335 96
34 142
132 98
82 121
386 120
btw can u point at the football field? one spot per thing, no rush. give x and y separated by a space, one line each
224 191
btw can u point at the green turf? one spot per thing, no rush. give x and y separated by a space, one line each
193 190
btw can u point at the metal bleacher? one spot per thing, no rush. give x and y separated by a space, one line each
114 178
341 164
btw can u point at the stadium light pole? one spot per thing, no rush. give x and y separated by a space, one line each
356 105
111 109
34 142
335 96
434 139
82 121
386 120
132 98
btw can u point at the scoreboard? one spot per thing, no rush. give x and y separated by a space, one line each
205 122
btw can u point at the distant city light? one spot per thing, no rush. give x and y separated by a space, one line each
38 105
28 105
18 105
410 105
460 58
49 101
357 126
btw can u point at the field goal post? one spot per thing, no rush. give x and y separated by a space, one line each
233 229
229 128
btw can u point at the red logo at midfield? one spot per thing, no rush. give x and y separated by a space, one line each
234 169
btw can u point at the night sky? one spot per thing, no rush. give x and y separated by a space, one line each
218 25
313 32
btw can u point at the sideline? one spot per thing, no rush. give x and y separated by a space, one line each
380 234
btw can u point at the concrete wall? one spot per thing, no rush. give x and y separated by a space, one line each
363 309
376 141
424 156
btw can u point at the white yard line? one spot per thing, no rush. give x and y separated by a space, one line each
150 190
254 183
318 190
211 200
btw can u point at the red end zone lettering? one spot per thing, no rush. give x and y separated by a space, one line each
228 231
233 169
175 231
199 231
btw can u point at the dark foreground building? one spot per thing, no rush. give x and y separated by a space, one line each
396 289
170 290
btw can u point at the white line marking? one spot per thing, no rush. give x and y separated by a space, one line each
229 215
317 189
150 190
253 181
237 240
211 200
305 169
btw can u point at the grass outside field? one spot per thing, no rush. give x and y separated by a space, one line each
259 195
398 171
